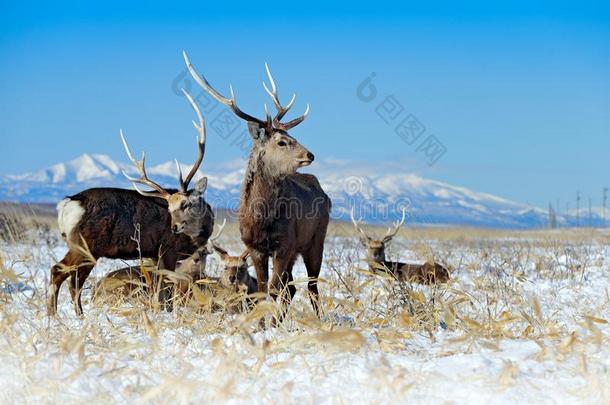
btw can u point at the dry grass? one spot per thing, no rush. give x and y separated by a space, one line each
534 303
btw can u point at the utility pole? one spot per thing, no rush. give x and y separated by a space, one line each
557 207
590 214
577 209
604 207
552 217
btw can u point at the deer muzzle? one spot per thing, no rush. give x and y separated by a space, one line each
307 160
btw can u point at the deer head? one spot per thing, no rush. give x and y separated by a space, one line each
187 208
196 263
273 149
235 268
375 246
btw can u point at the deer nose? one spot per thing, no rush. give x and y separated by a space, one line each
231 279
310 156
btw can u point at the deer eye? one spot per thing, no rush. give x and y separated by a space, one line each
281 144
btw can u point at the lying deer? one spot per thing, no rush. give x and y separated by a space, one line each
235 271
132 279
234 278
427 273
99 222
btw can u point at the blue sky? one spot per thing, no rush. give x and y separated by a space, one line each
518 94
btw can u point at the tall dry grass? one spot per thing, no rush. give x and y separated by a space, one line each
538 287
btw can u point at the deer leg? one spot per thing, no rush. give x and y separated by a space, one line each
260 261
261 265
313 264
59 273
77 280
166 290
281 286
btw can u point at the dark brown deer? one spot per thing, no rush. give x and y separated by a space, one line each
282 214
99 222
427 273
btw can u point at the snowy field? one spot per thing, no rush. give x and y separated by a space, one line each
524 320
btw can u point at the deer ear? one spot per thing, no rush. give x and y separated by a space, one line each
257 132
201 185
221 252
245 255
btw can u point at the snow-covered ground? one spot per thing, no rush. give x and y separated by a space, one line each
524 320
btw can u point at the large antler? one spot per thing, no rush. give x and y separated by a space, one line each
392 232
281 111
143 179
232 104
200 143
356 225
229 102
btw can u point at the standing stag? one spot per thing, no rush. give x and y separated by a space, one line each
427 273
100 222
282 213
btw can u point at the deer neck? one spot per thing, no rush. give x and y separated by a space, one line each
260 191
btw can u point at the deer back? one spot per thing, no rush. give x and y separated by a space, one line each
427 273
108 219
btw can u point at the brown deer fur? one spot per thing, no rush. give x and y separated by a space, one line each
427 273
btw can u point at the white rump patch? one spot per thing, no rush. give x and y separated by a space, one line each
69 214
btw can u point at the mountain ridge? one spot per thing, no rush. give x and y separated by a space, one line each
377 198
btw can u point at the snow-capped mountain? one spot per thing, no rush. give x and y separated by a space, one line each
376 198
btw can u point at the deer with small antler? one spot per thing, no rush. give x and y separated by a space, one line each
99 222
283 213
235 281
427 273
131 279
